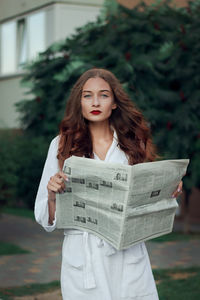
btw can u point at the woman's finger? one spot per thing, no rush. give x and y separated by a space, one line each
178 190
180 186
57 182
59 177
63 175
51 188
55 187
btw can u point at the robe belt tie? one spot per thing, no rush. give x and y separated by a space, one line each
88 272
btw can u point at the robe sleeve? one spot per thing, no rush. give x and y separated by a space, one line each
51 167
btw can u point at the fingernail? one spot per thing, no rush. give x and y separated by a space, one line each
179 190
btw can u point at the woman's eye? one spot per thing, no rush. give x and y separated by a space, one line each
104 96
87 96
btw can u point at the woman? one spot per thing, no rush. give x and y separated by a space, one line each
100 123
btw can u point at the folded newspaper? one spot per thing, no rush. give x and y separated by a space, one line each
121 204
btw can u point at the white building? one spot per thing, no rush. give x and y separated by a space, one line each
26 28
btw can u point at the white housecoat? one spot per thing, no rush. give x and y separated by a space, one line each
91 268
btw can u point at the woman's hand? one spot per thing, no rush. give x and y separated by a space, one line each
56 185
178 190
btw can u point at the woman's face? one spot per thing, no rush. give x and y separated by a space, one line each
97 100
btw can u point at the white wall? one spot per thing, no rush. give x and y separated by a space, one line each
12 8
63 19
10 93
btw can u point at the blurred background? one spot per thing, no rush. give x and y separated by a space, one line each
153 47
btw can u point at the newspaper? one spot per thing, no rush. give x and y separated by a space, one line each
121 204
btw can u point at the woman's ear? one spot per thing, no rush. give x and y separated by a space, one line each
114 106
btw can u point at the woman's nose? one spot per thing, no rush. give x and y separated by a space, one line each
95 101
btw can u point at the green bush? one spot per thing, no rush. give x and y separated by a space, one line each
21 164
32 153
8 167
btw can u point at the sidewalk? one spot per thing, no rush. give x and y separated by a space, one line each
42 265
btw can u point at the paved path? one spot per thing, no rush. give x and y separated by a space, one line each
42 265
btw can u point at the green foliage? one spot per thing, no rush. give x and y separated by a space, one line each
8 167
11 249
22 160
21 212
33 152
155 53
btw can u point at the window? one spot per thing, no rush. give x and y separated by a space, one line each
8 46
21 41
22 54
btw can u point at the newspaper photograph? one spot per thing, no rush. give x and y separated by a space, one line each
121 204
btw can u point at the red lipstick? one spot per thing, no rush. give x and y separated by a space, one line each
95 112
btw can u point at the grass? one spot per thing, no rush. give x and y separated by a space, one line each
32 289
21 212
178 284
11 249
176 236
172 284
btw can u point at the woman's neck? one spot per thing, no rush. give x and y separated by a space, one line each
100 131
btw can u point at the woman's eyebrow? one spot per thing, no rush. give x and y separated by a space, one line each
105 91
85 91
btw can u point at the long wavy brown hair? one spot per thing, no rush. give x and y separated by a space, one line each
133 134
